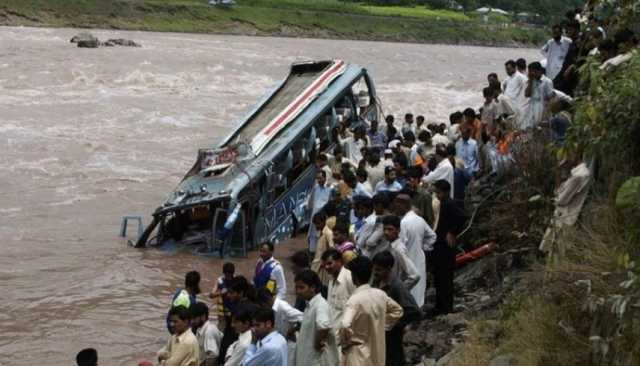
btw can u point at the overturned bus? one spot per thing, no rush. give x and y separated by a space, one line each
254 186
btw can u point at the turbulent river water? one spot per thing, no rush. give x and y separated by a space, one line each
88 135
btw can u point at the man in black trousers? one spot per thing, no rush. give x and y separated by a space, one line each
450 224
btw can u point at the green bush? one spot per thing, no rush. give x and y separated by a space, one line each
607 123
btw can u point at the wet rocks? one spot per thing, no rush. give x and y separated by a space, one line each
83 37
121 42
85 40
90 43
480 289
88 40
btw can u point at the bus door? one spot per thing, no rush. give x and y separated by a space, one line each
233 242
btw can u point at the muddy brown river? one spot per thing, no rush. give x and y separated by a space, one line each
88 135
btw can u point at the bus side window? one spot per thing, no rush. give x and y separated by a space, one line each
323 128
278 180
365 103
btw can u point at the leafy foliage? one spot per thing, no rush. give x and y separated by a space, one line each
607 122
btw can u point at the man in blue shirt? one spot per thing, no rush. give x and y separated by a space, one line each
268 347
320 195
467 150
389 183
377 138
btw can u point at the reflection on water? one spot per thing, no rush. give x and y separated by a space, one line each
88 135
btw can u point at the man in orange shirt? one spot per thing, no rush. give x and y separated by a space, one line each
472 121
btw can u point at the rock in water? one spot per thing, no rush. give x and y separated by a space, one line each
92 43
88 40
83 36
122 42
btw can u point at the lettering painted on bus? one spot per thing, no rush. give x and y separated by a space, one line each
295 201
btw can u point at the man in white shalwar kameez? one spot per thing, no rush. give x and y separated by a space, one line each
539 92
514 85
417 234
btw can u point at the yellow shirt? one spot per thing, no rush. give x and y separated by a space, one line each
367 315
183 350
339 291
325 242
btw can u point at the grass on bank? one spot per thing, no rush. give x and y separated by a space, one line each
323 19
580 308
420 12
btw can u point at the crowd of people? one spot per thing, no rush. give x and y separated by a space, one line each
387 210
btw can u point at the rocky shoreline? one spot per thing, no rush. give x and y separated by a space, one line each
481 289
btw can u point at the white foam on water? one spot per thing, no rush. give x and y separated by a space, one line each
150 80
15 34
81 78
30 93
103 164
10 210
65 189
175 121
215 69
73 200
184 120
42 167
10 127
434 101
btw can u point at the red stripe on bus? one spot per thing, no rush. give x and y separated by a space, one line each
306 96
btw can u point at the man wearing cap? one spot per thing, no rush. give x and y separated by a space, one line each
388 158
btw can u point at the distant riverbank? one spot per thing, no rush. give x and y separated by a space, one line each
290 18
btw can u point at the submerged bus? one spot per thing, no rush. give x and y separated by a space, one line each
254 186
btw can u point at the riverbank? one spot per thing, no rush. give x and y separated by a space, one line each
328 19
